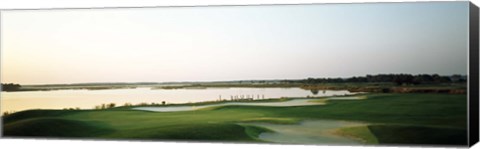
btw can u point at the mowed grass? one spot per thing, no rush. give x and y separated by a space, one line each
405 134
389 115
362 133
420 109
54 127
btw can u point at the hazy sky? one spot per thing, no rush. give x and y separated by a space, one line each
233 43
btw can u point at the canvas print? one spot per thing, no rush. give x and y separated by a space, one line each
328 74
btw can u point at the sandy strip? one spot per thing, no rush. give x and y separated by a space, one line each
289 103
308 132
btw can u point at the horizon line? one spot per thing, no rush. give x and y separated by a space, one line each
233 80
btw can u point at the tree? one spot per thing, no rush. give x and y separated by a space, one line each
111 105
403 79
458 78
10 87
399 79
314 91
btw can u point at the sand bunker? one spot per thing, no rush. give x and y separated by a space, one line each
308 132
289 103
294 102
347 97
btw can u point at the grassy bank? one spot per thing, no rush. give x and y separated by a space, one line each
389 115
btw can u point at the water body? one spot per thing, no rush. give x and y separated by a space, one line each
88 99
308 132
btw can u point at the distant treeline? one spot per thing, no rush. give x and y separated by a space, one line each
398 79
10 87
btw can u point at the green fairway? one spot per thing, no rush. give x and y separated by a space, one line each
361 133
392 119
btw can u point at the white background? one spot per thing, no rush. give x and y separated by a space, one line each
88 144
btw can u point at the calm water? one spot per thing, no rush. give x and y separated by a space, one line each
88 99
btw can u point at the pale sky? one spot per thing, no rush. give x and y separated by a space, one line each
232 42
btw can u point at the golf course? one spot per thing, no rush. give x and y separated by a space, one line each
364 118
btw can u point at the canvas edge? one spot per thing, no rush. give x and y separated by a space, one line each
473 95
473 67
1 62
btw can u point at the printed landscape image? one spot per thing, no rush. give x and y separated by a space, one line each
334 74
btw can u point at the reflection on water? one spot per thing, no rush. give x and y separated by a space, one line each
87 99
